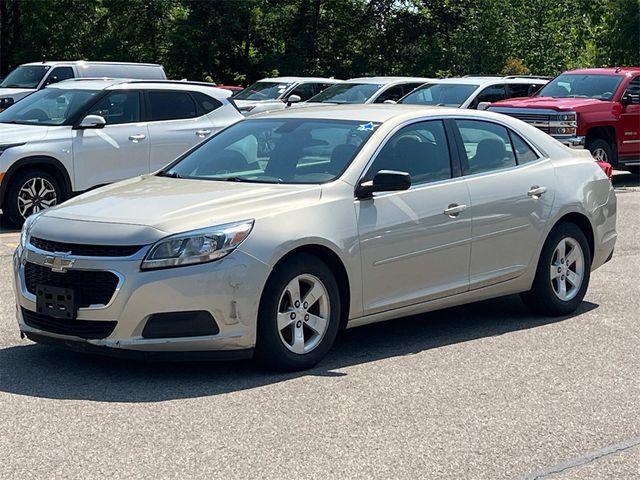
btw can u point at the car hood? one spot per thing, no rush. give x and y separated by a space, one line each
170 205
12 133
15 92
551 103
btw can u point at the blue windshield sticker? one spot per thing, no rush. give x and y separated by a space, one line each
367 127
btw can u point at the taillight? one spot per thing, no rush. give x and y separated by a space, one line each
606 167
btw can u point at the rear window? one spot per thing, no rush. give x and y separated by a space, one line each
205 103
171 105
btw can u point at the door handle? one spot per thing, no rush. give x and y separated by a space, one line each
203 133
137 138
536 191
453 210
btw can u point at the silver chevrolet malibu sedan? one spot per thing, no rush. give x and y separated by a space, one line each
271 236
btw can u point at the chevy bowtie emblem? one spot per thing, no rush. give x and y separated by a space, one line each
59 263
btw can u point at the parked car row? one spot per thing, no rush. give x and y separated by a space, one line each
263 235
74 134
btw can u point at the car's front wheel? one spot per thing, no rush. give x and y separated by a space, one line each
299 314
29 192
563 272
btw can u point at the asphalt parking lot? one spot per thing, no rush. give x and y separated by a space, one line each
484 391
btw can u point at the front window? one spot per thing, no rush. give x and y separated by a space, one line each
49 106
263 91
295 151
600 87
442 94
25 76
347 93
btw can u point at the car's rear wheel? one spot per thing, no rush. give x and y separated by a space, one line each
30 191
299 314
563 272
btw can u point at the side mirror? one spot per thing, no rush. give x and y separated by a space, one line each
384 181
92 121
483 105
630 99
291 99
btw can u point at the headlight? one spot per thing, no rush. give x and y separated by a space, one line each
197 246
5 146
26 228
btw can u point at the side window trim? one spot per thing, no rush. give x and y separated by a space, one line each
453 157
106 93
463 156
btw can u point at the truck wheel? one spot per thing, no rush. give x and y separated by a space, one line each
602 151
29 192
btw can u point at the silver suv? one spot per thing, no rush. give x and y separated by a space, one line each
470 91
79 134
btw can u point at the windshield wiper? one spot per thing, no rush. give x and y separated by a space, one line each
238 179
169 175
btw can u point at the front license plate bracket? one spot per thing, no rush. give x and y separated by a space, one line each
56 302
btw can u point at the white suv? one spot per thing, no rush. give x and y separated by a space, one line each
80 134
470 91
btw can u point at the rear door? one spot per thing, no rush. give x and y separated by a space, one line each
177 122
512 191
413 247
119 150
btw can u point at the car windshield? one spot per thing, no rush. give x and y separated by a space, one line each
49 106
347 93
263 91
294 151
601 87
443 94
25 77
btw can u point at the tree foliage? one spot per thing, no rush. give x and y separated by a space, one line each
242 40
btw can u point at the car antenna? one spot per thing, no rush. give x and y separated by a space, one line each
618 69
44 59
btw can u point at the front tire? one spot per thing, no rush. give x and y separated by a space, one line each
563 272
29 192
299 314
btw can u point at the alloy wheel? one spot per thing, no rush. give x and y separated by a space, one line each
303 314
36 194
567 269
600 155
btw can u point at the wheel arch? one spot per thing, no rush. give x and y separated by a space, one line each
48 164
583 223
604 132
335 263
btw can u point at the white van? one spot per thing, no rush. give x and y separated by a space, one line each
29 77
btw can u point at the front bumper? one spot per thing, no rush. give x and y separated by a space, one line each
229 289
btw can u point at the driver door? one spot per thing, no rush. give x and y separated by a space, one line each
119 150
414 248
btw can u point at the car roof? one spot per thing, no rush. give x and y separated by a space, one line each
53 63
125 84
300 79
605 71
487 80
388 80
361 112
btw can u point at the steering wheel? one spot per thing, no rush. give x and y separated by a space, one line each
35 114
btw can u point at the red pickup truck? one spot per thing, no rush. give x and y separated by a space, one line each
593 108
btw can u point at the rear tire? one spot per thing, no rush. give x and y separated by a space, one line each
299 315
29 192
563 272
601 150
